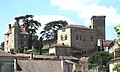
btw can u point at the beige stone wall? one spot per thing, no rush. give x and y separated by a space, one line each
63 32
13 42
63 51
9 41
78 38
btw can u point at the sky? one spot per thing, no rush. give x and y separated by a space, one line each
73 11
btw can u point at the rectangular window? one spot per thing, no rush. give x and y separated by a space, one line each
84 38
91 38
76 37
61 37
7 42
65 36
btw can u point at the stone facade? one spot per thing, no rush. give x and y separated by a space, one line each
81 37
15 37
60 50
98 23
6 62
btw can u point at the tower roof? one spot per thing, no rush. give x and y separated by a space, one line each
77 26
22 30
97 17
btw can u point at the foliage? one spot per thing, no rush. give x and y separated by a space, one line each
117 67
2 45
100 58
77 71
38 44
35 41
12 51
50 29
45 51
30 26
117 29
21 49
52 54
26 52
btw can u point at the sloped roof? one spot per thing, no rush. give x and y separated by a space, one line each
40 66
8 32
46 56
22 30
61 46
84 59
2 53
115 59
21 55
106 43
77 26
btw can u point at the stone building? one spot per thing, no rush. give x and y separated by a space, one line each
6 62
15 37
45 63
83 38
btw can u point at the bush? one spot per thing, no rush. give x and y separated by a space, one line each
52 53
77 71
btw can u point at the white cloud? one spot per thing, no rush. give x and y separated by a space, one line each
73 4
112 17
88 8
44 19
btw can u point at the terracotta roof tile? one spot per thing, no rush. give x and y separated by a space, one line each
9 32
21 29
2 53
61 46
106 43
115 59
21 55
84 59
40 66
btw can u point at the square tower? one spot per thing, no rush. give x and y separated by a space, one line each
98 23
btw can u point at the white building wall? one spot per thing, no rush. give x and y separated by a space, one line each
52 50
66 31
111 66
115 46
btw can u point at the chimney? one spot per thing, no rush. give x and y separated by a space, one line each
9 26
